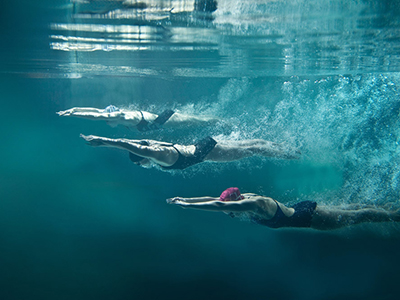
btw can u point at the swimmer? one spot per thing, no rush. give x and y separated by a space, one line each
141 120
174 156
269 212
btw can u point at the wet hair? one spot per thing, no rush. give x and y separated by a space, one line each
135 158
144 143
111 108
231 194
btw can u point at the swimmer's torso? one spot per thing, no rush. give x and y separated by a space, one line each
170 152
267 208
129 118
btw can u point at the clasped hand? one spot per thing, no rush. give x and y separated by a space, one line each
175 200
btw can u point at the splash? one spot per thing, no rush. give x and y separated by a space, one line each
347 128
350 121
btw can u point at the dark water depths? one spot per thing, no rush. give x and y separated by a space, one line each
84 223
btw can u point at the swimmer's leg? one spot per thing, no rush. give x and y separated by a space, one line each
271 149
235 150
352 206
178 119
326 218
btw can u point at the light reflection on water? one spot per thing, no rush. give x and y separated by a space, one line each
239 38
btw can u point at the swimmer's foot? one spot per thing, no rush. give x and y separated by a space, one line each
282 151
93 140
395 215
291 153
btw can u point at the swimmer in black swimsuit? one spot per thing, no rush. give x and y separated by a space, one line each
268 212
175 156
140 120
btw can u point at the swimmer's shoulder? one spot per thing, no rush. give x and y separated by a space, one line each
252 196
262 200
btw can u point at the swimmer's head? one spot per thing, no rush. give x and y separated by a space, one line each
145 163
111 108
231 194
138 160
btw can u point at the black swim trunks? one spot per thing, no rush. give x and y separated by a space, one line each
303 212
157 123
203 147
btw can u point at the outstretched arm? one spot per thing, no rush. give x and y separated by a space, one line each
92 113
191 200
216 205
124 117
165 156
111 114
81 112
133 146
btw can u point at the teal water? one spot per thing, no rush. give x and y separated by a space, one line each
84 223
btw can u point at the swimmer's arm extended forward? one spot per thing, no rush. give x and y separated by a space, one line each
216 205
133 146
84 112
165 156
108 114
133 117
192 200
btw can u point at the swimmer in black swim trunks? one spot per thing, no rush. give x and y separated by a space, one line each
174 156
141 120
269 212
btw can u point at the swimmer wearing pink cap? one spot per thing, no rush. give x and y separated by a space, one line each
231 194
269 212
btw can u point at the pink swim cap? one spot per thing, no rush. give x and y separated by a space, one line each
231 194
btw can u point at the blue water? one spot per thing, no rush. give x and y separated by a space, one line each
83 223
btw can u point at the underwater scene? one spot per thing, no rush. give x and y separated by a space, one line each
295 100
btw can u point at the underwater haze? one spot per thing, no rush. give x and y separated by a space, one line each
83 223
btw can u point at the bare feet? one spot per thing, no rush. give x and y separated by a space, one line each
290 152
282 150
